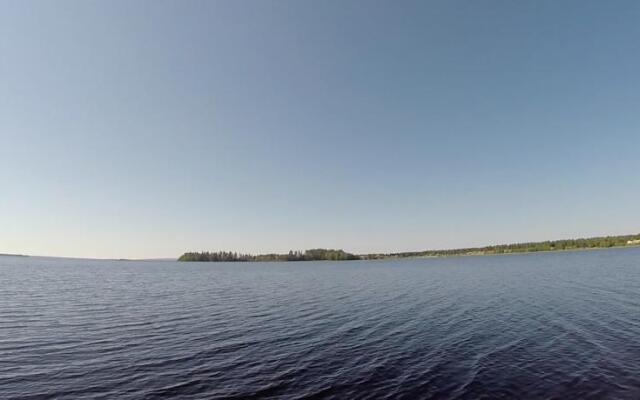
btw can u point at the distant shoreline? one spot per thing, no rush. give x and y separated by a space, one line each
575 250
569 245
593 243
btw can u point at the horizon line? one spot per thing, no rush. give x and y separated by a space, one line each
325 248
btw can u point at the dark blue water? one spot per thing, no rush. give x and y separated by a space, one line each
543 326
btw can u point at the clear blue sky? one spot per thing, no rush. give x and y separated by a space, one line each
144 129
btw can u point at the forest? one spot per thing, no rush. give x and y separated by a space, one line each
308 255
341 255
550 245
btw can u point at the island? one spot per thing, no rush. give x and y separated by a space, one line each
308 255
600 242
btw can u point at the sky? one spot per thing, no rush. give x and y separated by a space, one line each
146 129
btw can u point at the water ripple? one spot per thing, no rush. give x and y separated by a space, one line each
545 326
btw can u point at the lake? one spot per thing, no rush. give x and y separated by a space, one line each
537 326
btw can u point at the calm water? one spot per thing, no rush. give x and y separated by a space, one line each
556 325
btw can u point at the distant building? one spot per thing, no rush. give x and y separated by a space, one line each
636 241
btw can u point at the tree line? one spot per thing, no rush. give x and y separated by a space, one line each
308 255
549 245
341 255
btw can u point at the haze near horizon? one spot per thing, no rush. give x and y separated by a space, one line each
146 129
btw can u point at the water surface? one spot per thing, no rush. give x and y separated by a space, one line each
553 325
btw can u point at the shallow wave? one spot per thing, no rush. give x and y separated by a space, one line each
539 326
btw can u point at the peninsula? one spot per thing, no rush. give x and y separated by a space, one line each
600 242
